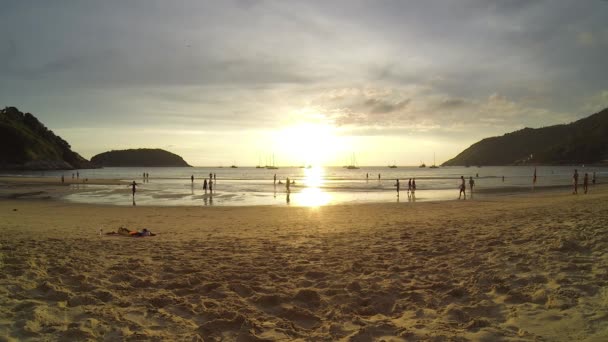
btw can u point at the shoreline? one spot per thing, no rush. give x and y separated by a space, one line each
39 188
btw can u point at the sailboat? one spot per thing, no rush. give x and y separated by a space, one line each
422 165
272 167
394 166
353 164
434 166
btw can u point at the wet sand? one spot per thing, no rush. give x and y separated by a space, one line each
519 268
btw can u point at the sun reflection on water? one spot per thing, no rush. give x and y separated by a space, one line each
312 195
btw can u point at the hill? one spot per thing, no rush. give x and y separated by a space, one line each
581 142
139 157
25 143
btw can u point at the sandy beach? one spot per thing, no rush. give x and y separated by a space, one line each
516 268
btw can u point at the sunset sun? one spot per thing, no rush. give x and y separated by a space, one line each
308 143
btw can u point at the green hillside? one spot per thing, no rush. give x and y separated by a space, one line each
139 157
25 143
582 142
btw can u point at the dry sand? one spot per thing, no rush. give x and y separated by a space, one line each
521 268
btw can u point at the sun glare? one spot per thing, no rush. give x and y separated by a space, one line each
308 144
313 195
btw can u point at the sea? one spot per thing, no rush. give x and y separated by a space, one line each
314 186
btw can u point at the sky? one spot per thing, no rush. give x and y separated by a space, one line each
310 82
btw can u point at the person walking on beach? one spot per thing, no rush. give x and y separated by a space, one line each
133 189
593 179
210 185
463 188
534 179
398 186
413 185
586 182
575 181
409 185
287 183
471 184
192 179
205 185
274 179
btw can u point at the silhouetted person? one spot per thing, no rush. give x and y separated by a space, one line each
586 182
210 185
133 190
463 188
287 183
274 179
397 185
77 175
144 176
378 176
287 197
210 176
575 181
367 176
409 185
192 179
477 175
205 185
593 178
214 177
503 179
471 184
72 176
62 179
413 186
534 179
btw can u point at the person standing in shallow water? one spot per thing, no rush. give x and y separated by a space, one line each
575 182
287 185
463 188
409 185
398 186
413 185
274 179
586 182
205 185
471 184
133 189
192 179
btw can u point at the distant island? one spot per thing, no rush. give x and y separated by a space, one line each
26 144
139 157
581 142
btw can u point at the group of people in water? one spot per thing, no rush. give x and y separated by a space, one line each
208 183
